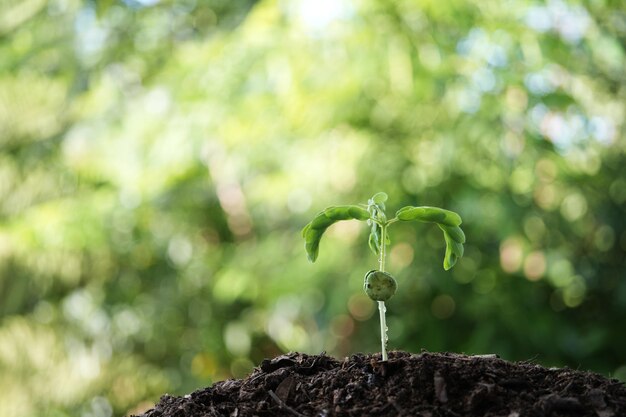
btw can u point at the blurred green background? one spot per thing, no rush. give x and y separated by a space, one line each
159 158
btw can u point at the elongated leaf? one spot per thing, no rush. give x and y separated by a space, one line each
312 243
449 258
372 244
448 221
454 251
321 221
455 232
346 213
429 214
359 213
374 238
456 247
313 231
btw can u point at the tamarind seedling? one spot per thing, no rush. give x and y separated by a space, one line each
378 284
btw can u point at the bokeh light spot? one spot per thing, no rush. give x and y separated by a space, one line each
401 255
516 99
180 250
237 339
535 228
546 197
443 306
298 200
203 365
535 265
560 272
604 238
521 180
546 170
241 367
361 307
574 294
511 255
574 206
342 326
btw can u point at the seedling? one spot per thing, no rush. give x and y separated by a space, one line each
379 285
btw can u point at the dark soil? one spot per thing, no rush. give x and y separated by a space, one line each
427 385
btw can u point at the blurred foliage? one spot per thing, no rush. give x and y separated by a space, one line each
158 159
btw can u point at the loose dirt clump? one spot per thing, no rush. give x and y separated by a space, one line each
426 385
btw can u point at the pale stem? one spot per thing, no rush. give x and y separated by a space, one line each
383 248
383 329
381 304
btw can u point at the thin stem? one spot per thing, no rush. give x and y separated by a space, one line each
383 248
383 329
381 304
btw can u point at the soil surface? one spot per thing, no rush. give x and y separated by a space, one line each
426 385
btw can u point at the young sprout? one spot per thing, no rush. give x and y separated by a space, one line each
379 285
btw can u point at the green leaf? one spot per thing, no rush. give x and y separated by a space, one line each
449 259
377 205
454 251
374 238
312 243
313 231
455 232
379 198
372 244
359 213
456 247
448 221
346 213
321 221
429 214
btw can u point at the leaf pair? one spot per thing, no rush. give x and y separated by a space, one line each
448 221
314 230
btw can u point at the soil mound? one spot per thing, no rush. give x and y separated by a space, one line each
426 385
